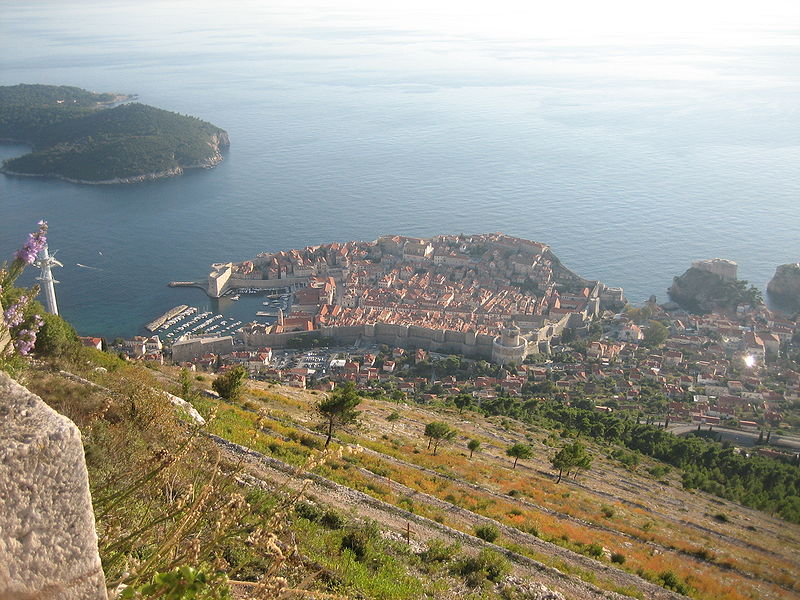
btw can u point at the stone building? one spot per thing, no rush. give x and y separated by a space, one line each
727 269
509 346
218 278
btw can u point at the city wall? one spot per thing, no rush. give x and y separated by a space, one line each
265 284
408 337
48 547
185 350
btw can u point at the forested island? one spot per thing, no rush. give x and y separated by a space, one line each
87 137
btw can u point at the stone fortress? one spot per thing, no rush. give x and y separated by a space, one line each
488 296
726 269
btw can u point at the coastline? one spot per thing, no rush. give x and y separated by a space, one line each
120 180
220 141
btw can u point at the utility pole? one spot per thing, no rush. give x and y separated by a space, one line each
44 262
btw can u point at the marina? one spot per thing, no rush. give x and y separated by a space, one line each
185 321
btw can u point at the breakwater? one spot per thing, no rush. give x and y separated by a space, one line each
156 323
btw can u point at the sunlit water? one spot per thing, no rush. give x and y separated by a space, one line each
629 155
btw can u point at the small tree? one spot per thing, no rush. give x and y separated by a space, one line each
518 451
472 446
187 390
230 384
462 401
571 456
393 418
655 334
339 408
438 431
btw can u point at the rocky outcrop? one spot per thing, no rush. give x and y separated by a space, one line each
784 287
702 291
48 544
217 142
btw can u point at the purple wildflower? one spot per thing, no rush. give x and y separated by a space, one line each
13 316
26 338
36 241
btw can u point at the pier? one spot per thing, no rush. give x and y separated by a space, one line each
156 323
198 284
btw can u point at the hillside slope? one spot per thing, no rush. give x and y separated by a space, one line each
613 532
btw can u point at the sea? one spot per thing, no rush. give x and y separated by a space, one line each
631 138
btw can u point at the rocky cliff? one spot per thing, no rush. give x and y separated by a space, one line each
701 291
784 287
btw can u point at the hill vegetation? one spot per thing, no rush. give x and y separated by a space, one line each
150 467
75 136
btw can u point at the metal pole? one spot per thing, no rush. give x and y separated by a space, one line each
45 262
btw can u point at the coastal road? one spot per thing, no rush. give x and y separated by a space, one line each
738 437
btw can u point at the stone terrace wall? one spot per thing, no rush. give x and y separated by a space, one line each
48 544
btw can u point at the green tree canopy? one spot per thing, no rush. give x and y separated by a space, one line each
571 456
438 431
655 334
472 446
339 408
392 418
518 451
230 384
462 401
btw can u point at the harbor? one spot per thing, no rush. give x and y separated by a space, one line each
222 316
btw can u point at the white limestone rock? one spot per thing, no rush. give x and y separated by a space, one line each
48 544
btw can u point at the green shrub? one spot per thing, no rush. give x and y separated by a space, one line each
231 384
487 565
332 519
357 541
607 511
56 337
309 441
617 557
658 471
407 504
182 583
380 470
309 511
438 551
704 554
487 532
671 581
594 550
722 518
